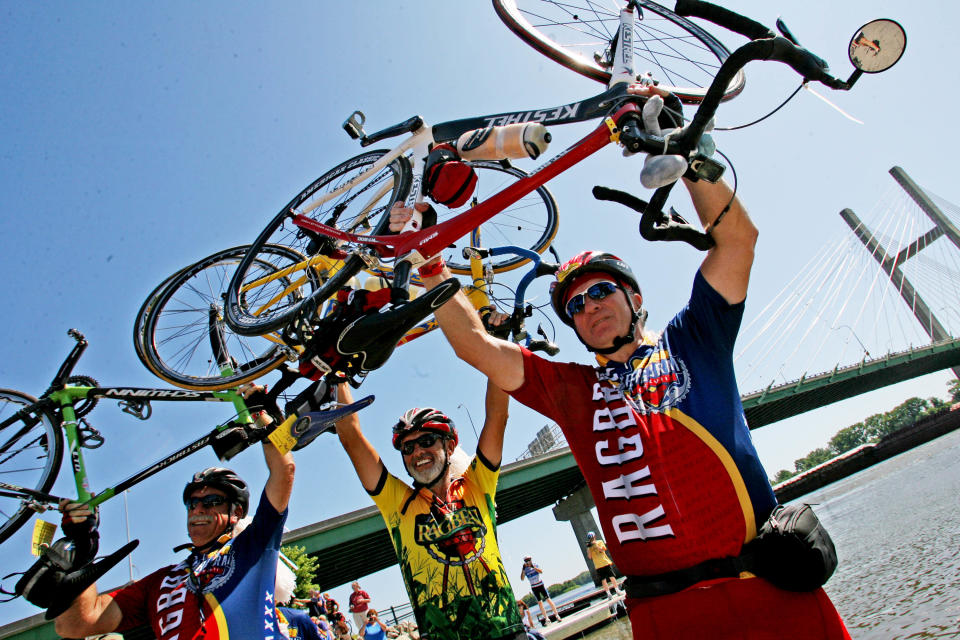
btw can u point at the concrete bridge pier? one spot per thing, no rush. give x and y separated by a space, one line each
575 508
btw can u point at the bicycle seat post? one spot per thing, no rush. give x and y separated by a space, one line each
400 292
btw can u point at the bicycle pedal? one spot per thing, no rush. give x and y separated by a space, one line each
141 410
90 437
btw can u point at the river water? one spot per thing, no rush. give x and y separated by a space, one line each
896 526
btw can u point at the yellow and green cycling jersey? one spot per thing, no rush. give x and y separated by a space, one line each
449 556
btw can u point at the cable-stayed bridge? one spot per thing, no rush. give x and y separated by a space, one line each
871 308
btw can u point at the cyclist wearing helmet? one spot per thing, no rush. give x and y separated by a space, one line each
659 433
224 588
443 527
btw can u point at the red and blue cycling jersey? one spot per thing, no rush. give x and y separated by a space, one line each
662 440
223 594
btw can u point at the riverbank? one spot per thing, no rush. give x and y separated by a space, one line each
867 455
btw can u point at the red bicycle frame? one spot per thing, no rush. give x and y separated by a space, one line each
428 242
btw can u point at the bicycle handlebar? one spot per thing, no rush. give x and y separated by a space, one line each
520 311
655 224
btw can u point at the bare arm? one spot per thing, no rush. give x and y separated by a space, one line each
727 265
280 481
499 360
364 457
90 614
491 436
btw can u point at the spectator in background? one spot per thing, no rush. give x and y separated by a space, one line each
374 629
325 631
359 603
597 551
532 572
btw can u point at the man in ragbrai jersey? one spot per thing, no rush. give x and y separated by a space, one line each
224 589
659 433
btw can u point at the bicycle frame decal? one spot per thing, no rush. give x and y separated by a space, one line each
150 394
557 115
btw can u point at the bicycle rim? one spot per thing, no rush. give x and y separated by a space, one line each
253 307
186 341
531 222
140 321
30 458
578 34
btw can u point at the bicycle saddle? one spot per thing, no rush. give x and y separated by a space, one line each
52 583
371 339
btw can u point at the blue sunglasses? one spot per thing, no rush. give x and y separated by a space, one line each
597 291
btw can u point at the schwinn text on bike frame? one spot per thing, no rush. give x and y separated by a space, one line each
546 116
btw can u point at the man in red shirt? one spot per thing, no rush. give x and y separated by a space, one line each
359 603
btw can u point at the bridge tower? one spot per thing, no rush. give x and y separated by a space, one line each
891 263
575 508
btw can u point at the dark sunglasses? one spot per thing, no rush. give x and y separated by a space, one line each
425 441
596 291
212 500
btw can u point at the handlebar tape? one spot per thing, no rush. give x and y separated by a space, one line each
724 18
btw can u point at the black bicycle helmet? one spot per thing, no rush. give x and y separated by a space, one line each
223 479
426 419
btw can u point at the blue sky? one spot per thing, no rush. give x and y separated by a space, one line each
135 140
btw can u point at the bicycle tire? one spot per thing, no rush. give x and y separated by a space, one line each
362 209
531 222
139 324
681 55
177 341
30 459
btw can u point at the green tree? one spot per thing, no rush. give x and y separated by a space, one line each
306 570
782 476
902 416
848 438
953 388
935 405
812 459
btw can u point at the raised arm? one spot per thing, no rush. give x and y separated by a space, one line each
494 424
279 484
727 265
90 614
364 457
500 360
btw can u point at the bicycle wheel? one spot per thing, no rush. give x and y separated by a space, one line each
531 222
139 325
185 340
579 34
363 208
30 451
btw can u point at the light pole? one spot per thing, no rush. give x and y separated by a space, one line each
855 337
461 406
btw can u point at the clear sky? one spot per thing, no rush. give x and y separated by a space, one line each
135 140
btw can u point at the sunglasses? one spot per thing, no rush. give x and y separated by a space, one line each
596 291
212 500
425 441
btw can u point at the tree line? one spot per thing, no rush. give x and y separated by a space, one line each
872 430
